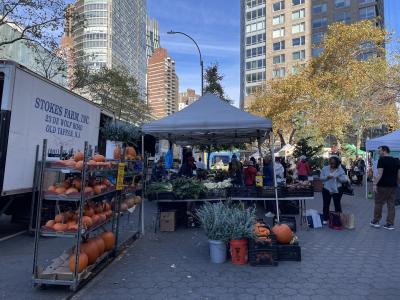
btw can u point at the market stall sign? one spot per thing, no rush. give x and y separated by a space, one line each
120 176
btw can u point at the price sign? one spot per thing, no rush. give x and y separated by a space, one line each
120 176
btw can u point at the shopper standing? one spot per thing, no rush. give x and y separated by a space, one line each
332 176
303 169
385 185
250 173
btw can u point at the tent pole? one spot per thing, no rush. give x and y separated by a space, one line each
366 173
273 168
259 147
143 185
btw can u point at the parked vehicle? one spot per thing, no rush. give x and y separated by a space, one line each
32 109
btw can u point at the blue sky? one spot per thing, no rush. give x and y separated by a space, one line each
215 25
392 23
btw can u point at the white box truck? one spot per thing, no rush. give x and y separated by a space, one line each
32 109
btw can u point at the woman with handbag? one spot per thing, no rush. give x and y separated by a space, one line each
332 176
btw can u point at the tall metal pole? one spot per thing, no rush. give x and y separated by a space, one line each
201 58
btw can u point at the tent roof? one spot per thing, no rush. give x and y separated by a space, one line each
209 120
392 140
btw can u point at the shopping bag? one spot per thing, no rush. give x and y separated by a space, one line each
335 221
314 219
347 189
347 220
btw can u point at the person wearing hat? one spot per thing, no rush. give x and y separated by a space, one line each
250 173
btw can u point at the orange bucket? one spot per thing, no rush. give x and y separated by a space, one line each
239 252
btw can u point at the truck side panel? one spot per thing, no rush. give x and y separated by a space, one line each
41 110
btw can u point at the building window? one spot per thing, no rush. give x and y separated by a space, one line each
280 32
255 27
298 14
320 22
298 41
279 46
255 64
278 6
280 72
278 20
342 3
298 28
253 3
255 39
366 55
299 55
257 51
320 8
297 2
254 14
278 59
255 77
317 38
317 52
344 16
367 12
365 1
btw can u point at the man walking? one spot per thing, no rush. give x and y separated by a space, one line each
385 185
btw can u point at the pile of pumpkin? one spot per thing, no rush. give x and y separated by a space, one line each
130 153
97 161
130 202
93 215
283 233
91 250
72 186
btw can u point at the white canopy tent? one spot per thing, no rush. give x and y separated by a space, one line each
212 121
209 121
392 140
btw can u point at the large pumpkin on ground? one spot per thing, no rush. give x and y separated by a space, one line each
83 262
109 240
283 233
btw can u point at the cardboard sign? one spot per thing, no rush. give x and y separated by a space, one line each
120 176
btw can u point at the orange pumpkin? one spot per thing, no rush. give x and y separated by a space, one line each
79 165
71 191
60 218
106 182
60 227
91 250
88 190
69 163
131 152
101 246
83 262
51 189
79 156
50 223
283 233
98 189
89 212
95 219
92 163
117 153
99 158
87 222
77 183
102 217
109 240
60 190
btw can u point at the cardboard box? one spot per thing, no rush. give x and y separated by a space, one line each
167 221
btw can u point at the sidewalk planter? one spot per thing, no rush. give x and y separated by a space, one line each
217 251
239 251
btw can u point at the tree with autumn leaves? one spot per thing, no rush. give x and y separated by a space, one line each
341 93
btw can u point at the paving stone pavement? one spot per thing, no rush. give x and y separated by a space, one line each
352 264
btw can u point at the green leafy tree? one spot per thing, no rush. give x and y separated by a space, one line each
214 82
113 89
303 148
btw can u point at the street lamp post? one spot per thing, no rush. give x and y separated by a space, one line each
201 59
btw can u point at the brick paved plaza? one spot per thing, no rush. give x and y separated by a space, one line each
359 264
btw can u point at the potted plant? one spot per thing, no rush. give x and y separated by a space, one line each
240 225
213 219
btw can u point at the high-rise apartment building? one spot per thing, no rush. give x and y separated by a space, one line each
152 36
113 34
162 84
277 36
187 98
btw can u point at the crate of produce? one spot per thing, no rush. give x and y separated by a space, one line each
267 256
260 243
289 220
298 191
289 252
246 192
215 194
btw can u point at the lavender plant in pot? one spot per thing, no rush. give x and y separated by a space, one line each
213 219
